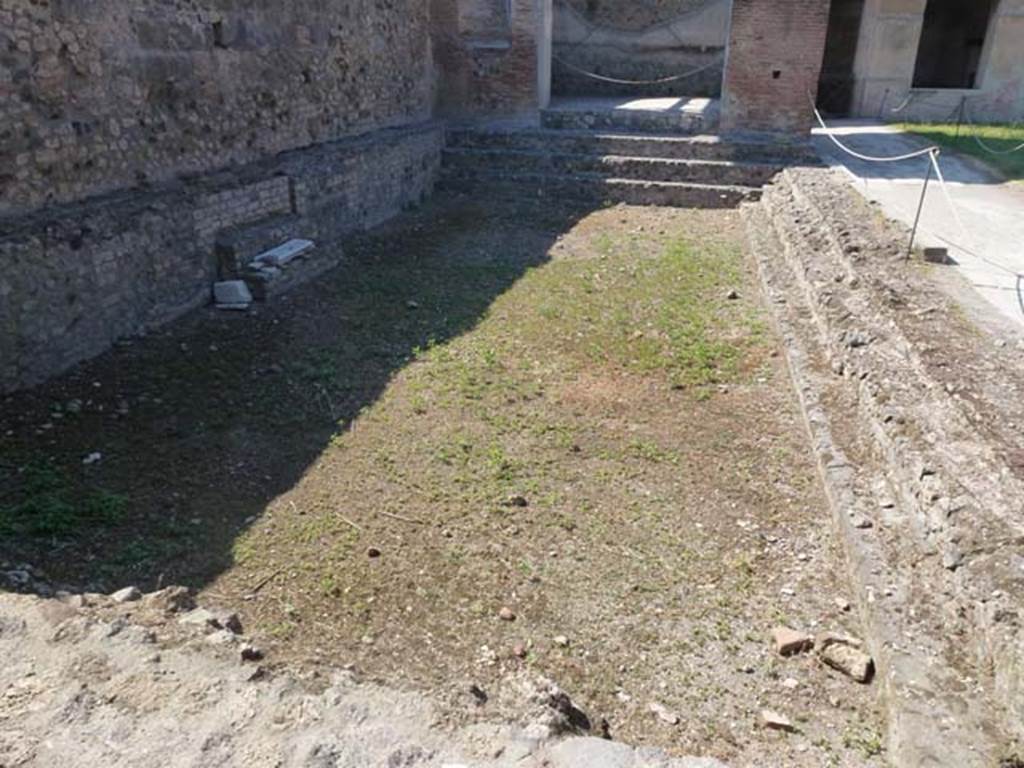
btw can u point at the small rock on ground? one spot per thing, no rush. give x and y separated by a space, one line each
776 722
789 642
845 655
127 595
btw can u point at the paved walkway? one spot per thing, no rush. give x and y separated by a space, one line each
988 249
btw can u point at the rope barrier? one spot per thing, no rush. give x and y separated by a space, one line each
618 81
870 158
980 143
933 157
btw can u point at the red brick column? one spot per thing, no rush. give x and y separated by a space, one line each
774 58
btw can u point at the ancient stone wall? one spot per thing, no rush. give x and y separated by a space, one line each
134 135
773 63
77 277
102 95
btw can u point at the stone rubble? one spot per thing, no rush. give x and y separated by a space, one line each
291 720
776 722
232 295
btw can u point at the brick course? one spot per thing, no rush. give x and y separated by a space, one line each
773 62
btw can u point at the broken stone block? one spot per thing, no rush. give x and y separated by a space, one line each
127 595
232 294
789 642
251 653
776 722
663 713
845 655
284 253
937 256
171 600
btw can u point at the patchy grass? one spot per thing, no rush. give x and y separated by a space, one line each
1001 138
49 506
522 405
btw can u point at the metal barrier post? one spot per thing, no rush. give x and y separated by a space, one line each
920 207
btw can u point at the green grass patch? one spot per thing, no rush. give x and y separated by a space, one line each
51 508
666 314
1001 138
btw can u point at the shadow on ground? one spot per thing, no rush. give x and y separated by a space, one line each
144 465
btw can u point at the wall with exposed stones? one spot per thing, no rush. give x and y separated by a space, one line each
103 95
639 42
78 277
134 136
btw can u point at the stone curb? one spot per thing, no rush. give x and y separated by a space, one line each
932 721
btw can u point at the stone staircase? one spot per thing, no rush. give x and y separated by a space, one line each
625 156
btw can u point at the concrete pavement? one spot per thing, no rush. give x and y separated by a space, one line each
988 240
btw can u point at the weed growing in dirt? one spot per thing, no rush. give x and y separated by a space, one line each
51 508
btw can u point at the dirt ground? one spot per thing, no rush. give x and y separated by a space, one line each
500 437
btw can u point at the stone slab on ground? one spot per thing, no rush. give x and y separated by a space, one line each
232 294
285 253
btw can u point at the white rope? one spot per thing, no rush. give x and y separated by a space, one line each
945 191
933 156
870 158
617 81
982 144
905 104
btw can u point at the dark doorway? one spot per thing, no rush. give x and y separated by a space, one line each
835 88
952 42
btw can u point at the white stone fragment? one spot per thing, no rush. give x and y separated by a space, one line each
285 253
231 294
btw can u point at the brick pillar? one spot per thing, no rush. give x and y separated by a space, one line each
774 59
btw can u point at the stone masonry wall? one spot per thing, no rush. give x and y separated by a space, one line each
100 95
773 63
133 135
77 277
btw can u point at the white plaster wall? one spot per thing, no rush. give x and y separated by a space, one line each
887 54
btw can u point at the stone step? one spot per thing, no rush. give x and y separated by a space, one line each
720 172
701 147
598 189
628 120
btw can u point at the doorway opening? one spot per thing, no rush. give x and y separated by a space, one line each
836 84
952 43
645 55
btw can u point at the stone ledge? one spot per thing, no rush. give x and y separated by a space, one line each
82 275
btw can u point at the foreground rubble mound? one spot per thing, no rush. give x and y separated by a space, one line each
139 680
